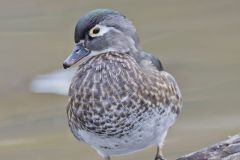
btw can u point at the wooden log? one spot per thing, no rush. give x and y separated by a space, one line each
225 150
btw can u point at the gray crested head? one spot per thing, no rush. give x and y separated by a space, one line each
117 25
100 31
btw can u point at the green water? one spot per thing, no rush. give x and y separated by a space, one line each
197 41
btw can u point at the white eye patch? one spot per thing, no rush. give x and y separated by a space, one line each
99 30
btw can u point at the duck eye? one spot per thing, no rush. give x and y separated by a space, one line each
96 30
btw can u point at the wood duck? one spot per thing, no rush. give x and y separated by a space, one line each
121 99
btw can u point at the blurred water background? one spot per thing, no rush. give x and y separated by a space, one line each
197 41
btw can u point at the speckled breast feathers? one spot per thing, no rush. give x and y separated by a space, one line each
111 92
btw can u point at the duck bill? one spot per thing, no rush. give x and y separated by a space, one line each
77 54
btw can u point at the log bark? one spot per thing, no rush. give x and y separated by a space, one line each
226 150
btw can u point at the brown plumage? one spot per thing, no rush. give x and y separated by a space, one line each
121 102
